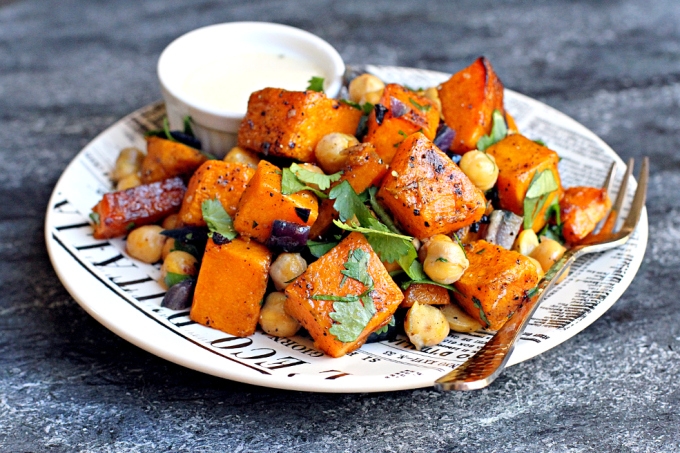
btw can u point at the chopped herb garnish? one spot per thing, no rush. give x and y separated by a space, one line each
360 229
318 249
310 177
499 130
480 252
366 108
540 142
316 84
460 244
290 184
130 226
403 133
184 247
386 327
422 108
95 218
217 219
478 303
172 278
380 211
542 185
443 260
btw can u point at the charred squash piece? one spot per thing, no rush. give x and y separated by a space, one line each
518 160
324 277
495 284
427 193
364 169
468 100
231 285
118 212
387 130
581 208
426 294
214 179
262 202
290 123
166 159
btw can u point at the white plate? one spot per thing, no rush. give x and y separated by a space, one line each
123 295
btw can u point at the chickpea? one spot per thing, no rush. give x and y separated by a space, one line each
425 325
146 243
526 242
373 97
365 83
273 318
547 253
285 268
313 169
458 320
331 151
171 222
177 262
422 250
241 156
167 248
539 268
128 182
129 162
481 168
445 262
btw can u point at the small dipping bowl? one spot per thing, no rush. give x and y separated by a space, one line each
201 74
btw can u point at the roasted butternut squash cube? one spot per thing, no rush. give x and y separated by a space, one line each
427 193
581 208
262 202
118 212
166 159
290 123
214 179
364 169
426 294
518 160
468 100
324 277
231 285
495 284
387 131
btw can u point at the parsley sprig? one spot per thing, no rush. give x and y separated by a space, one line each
315 84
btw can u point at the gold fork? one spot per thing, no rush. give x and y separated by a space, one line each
489 362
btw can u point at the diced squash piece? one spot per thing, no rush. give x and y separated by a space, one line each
262 202
324 277
386 135
518 159
581 208
166 159
495 284
214 179
427 193
231 285
426 294
290 123
118 212
468 100
364 169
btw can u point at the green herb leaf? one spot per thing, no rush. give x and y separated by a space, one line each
291 184
422 108
443 260
380 211
480 252
540 142
356 105
460 244
357 267
189 248
478 303
316 84
353 317
359 229
130 226
554 209
542 185
367 108
172 278
309 177
187 126
499 130
319 249
532 292
403 133
405 285
553 232
95 218
386 327
217 219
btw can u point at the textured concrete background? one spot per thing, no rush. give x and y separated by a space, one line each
68 69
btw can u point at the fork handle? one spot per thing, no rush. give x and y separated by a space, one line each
489 362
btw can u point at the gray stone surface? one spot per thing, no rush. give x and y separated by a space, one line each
70 68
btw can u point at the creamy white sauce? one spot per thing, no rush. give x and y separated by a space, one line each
227 83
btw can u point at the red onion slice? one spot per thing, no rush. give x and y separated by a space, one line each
288 237
444 138
398 108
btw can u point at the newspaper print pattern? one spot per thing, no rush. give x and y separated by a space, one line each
594 283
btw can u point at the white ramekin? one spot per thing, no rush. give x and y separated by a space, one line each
217 128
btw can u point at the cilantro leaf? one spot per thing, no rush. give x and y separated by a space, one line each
386 327
346 227
357 267
172 278
460 244
309 177
422 108
540 142
353 317
185 247
217 219
316 84
319 249
380 211
499 130
95 218
542 185
553 209
291 184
